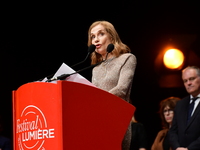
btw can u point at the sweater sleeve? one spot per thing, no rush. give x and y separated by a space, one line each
125 77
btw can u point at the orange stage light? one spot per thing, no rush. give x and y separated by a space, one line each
173 58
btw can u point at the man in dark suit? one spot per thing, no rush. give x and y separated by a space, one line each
184 133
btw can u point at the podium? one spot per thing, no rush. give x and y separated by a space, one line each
68 116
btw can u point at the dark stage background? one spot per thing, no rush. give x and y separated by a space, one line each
37 38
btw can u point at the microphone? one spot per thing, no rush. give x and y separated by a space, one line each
90 50
110 48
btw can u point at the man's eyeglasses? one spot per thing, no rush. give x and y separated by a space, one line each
170 111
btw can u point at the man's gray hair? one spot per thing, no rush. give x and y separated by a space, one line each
193 67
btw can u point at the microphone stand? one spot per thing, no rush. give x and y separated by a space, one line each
90 50
81 61
64 76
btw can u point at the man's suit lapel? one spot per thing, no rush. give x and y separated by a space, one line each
183 109
185 112
197 110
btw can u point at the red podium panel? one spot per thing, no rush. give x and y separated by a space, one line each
68 116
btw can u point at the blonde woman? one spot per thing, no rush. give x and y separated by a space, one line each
115 75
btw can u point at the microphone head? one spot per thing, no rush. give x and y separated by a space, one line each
110 48
91 48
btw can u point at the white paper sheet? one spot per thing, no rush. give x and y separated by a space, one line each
65 69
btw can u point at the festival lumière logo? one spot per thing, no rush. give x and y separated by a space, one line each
32 129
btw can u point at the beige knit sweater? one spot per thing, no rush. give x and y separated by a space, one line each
115 76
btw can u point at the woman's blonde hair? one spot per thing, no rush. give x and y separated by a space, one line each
120 48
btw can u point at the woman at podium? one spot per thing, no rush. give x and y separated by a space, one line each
116 68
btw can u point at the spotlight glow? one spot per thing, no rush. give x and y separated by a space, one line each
173 58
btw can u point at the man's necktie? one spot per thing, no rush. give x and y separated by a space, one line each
191 107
